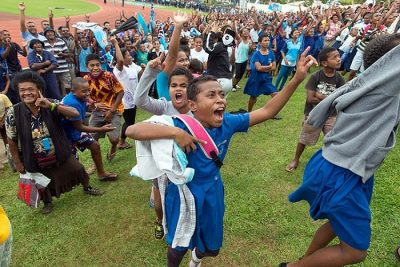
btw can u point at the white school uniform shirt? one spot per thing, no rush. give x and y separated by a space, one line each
254 35
343 35
202 55
345 47
128 77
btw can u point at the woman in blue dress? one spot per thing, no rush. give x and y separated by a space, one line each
260 80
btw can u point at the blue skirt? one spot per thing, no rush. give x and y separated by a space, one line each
210 208
339 195
259 83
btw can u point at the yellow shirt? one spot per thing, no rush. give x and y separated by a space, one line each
5 226
4 104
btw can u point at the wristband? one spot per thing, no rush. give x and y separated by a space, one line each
53 106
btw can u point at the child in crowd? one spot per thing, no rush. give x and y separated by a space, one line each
338 179
127 74
107 92
293 46
207 102
196 67
178 82
141 55
198 52
260 80
78 133
319 86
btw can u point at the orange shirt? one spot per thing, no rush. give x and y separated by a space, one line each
104 89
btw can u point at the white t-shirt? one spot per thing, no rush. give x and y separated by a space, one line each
254 35
202 55
345 47
128 77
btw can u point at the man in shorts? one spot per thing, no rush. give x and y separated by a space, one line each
106 92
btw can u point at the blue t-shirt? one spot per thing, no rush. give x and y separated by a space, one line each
70 100
206 169
162 86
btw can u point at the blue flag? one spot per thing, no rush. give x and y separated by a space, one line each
142 23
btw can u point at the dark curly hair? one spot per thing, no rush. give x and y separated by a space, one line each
193 88
92 57
379 46
180 71
29 76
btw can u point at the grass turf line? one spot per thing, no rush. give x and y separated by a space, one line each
40 9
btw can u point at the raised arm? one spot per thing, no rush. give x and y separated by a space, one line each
51 21
173 48
118 54
272 107
22 26
141 97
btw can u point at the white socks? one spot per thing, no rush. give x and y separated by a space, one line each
195 262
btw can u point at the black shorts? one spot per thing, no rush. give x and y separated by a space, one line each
240 70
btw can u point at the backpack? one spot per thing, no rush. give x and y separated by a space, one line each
209 149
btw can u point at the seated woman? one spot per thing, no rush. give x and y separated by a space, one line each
37 139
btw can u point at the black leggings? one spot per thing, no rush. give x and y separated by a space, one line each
129 119
175 256
240 70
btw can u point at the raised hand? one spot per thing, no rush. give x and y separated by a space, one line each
51 15
42 101
21 6
181 18
87 18
67 19
304 64
113 39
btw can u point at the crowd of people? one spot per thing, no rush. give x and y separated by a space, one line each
77 91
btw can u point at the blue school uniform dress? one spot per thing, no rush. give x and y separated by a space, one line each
260 83
207 188
339 195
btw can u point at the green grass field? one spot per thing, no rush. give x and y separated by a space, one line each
40 8
261 227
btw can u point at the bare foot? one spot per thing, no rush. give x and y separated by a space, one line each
292 165
91 169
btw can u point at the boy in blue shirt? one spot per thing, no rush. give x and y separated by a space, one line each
207 103
77 131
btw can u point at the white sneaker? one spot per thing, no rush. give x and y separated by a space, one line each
234 89
238 87
194 262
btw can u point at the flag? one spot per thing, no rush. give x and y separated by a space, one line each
142 23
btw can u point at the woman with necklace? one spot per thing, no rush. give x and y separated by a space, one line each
37 139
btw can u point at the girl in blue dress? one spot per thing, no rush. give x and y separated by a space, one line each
207 102
260 80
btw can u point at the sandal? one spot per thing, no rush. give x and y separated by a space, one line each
108 177
397 253
111 156
124 146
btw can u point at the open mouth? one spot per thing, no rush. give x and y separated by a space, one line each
219 113
179 98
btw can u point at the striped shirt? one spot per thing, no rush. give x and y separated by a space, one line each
58 47
369 34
